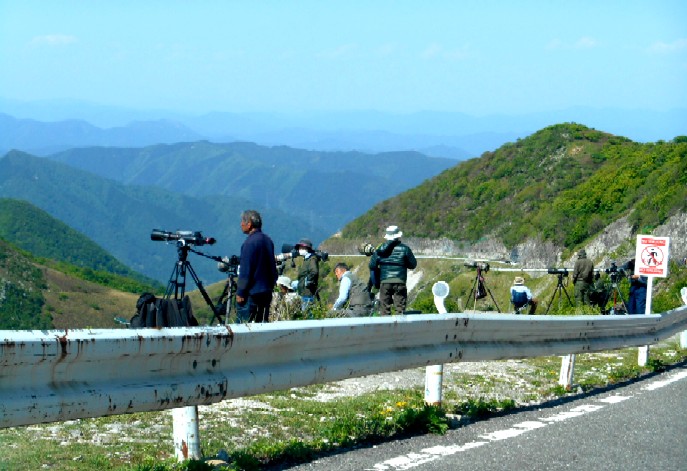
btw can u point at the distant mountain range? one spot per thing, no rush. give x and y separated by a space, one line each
46 127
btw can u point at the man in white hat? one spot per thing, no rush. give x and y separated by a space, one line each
390 264
521 296
285 303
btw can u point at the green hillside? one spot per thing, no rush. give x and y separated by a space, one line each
55 295
565 183
35 231
120 217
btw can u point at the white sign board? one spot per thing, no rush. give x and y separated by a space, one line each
651 256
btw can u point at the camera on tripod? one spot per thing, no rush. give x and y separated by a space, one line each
186 237
229 265
616 273
484 266
558 271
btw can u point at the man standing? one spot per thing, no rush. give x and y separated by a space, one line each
393 259
638 284
308 274
354 297
583 276
257 271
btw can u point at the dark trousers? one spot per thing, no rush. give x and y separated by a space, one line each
395 294
637 302
255 309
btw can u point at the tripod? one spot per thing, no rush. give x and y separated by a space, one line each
480 289
177 281
559 288
228 305
615 292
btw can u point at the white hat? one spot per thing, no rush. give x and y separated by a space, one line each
519 280
393 232
284 281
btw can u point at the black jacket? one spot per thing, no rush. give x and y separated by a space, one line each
393 259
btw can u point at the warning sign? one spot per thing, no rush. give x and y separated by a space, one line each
651 256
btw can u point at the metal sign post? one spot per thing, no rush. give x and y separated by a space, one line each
651 260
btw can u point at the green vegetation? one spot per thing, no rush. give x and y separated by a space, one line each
297 425
38 233
21 298
566 183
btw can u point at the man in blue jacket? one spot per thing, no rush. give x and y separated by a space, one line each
257 271
392 260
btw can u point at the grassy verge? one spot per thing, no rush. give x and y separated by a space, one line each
297 425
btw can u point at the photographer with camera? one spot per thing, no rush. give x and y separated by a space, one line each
583 277
636 304
257 273
308 273
392 259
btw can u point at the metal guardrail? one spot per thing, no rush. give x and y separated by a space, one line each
49 376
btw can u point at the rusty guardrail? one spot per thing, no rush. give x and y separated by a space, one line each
48 376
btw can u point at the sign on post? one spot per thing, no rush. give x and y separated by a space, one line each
651 260
651 256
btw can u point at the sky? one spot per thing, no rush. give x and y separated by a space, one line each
477 57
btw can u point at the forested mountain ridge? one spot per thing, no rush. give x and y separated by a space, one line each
307 184
34 295
35 231
564 184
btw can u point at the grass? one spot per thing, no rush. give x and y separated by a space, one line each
297 425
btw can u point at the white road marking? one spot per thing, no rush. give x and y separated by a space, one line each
426 455
671 379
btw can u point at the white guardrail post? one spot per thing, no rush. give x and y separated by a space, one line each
59 375
683 335
434 374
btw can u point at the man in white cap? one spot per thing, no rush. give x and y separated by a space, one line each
521 296
391 262
285 303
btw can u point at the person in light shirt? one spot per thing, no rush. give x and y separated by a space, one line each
354 296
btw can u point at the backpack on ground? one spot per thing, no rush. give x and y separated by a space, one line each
161 312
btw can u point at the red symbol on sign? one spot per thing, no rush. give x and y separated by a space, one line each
652 256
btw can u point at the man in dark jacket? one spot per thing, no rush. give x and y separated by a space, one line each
393 259
257 271
308 274
583 277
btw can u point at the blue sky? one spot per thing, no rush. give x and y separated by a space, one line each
476 57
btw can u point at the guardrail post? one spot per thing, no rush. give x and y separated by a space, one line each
683 335
565 379
643 351
186 433
434 374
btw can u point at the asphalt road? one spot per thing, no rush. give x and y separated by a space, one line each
641 425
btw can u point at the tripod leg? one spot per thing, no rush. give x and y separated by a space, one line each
472 290
566 295
173 283
551 300
492 298
203 292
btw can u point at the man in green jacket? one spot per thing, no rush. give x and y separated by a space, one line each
393 259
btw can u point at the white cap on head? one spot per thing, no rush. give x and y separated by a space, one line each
284 281
393 232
